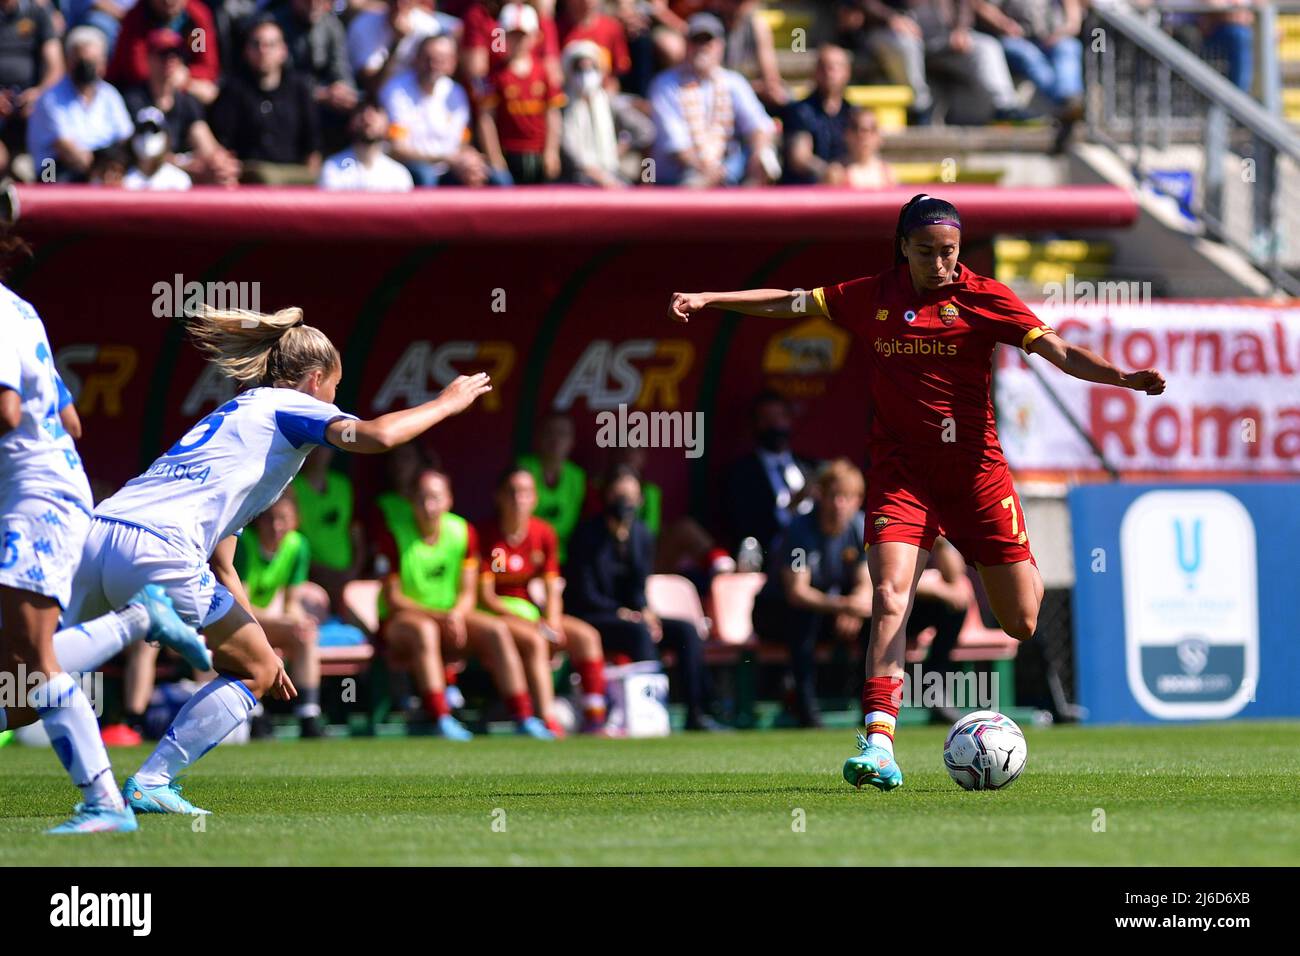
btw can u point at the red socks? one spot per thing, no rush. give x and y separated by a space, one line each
521 706
435 703
881 697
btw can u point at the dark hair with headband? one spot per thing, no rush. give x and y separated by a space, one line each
920 211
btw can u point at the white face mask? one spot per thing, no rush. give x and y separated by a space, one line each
149 145
589 81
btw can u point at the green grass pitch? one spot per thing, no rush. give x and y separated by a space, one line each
1185 795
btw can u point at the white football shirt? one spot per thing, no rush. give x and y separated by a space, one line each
226 470
38 458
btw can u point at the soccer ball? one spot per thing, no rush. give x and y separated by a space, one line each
985 751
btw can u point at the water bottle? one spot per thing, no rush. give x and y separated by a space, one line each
750 556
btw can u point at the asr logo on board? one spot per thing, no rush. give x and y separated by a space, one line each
799 361
638 373
97 375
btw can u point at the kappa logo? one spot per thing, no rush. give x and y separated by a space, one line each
882 315
948 313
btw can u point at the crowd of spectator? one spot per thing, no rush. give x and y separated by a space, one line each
390 95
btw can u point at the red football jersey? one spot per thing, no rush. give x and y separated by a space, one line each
521 105
513 565
929 356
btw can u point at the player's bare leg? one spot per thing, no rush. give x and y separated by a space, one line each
248 668
414 640
1015 594
535 656
587 654
27 655
895 568
490 639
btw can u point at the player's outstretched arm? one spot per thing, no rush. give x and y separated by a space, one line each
772 303
386 432
1091 367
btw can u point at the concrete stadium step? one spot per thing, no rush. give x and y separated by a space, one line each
927 142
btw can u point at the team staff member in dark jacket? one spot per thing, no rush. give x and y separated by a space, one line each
610 557
817 581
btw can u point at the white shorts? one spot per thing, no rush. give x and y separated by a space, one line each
41 540
120 558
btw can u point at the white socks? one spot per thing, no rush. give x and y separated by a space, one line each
880 729
74 734
86 646
204 721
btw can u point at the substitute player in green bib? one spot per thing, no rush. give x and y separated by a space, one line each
428 606
326 518
561 484
272 559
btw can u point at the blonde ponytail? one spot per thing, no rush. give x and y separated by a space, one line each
255 349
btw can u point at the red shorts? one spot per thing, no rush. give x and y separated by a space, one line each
974 506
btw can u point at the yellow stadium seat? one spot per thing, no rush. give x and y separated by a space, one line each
889 103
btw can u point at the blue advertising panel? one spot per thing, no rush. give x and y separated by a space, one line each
1187 601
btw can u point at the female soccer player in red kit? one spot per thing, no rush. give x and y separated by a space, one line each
936 467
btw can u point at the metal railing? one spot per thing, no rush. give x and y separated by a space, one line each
1185 131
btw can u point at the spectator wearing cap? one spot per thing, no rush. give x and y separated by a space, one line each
815 127
583 20
430 113
192 20
519 117
318 48
382 42
482 53
195 148
598 128
364 166
31 62
713 131
150 148
266 114
78 115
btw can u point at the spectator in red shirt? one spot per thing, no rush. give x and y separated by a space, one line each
583 20
519 118
193 21
516 549
481 56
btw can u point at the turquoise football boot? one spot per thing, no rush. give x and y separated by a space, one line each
164 799
97 820
166 627
873 765
452 729
534 727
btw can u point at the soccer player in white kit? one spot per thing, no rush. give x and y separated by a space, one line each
44 514
176 525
